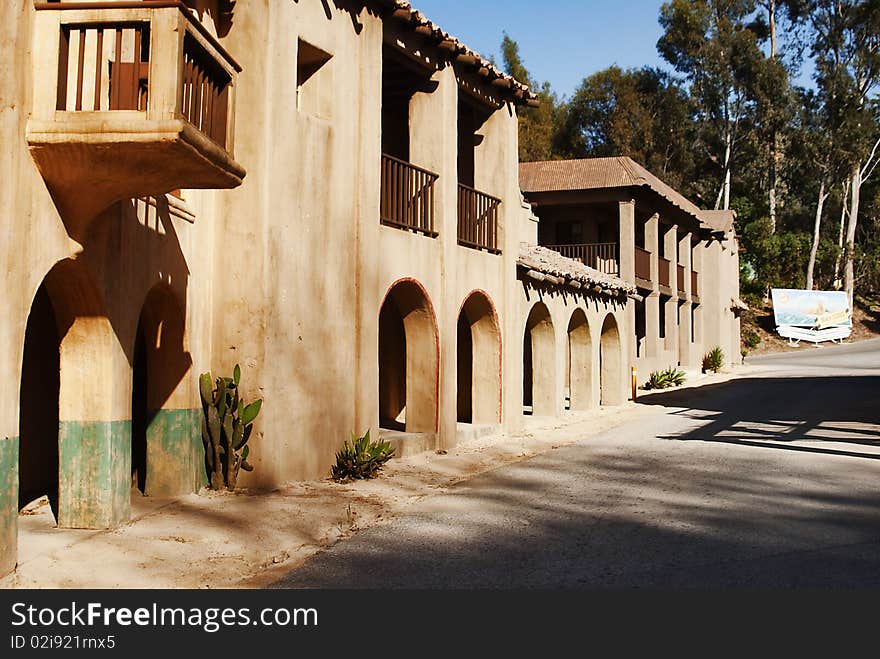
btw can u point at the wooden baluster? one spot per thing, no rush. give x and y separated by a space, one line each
116 78
99 64
79 69
136 71
63 65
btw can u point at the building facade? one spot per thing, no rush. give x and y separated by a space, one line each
326 193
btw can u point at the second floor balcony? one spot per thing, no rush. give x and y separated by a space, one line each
130 99
407 196
599 256
478 219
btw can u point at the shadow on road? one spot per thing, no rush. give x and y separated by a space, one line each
684 503
775 412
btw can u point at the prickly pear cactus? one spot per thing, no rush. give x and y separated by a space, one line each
226 428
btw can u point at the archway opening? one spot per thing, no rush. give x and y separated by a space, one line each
610 369
164 446
539 363
408 361
39 412
580 362
479 362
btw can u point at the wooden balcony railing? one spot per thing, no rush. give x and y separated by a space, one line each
600 256
680 278
663 266
130 99
407 198
478 219
205 91
103 67
643 264
695 280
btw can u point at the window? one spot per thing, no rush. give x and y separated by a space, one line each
313 83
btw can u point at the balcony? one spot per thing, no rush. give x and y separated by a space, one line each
643 264
695 289
663 266
680 276
478 220
130 99
407 197
599 256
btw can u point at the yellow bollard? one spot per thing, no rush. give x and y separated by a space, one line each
634 386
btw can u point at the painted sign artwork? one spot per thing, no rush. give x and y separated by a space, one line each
818 309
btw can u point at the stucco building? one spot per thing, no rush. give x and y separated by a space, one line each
326 193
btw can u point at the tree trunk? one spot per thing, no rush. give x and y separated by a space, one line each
811 266
849 273
840 234
771 10
724 192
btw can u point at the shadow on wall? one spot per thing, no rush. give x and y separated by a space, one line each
220 11
764 423
79 327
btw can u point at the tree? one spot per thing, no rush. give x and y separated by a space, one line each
846 48
641 113
773 111
715 45
537 125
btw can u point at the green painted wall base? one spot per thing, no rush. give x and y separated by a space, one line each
95 474
175 453
8 504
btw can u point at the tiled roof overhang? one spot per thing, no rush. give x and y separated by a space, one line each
456 52
554 268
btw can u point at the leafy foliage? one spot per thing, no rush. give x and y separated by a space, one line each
751 339
729 126
361 458
670 377
713 360
227 425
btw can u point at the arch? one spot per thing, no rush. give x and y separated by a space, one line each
610 363
539 362
38 461
164 420
85 426
409 360
478 353
580 361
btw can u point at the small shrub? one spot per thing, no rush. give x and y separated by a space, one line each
714 360
751 339
670 377
361 458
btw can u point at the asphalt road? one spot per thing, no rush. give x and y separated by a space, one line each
772 480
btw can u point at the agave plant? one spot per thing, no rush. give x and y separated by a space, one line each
361 458
675 376
670 377
657 380
714 360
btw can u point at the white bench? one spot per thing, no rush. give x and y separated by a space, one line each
796 334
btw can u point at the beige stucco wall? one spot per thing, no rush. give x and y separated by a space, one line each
286 274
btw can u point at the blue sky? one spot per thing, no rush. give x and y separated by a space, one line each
561 41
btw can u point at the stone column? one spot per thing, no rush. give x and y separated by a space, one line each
670 247
626 243
685 357
652 302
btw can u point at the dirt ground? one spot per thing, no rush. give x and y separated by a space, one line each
249 539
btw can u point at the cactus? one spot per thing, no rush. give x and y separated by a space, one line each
227 425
